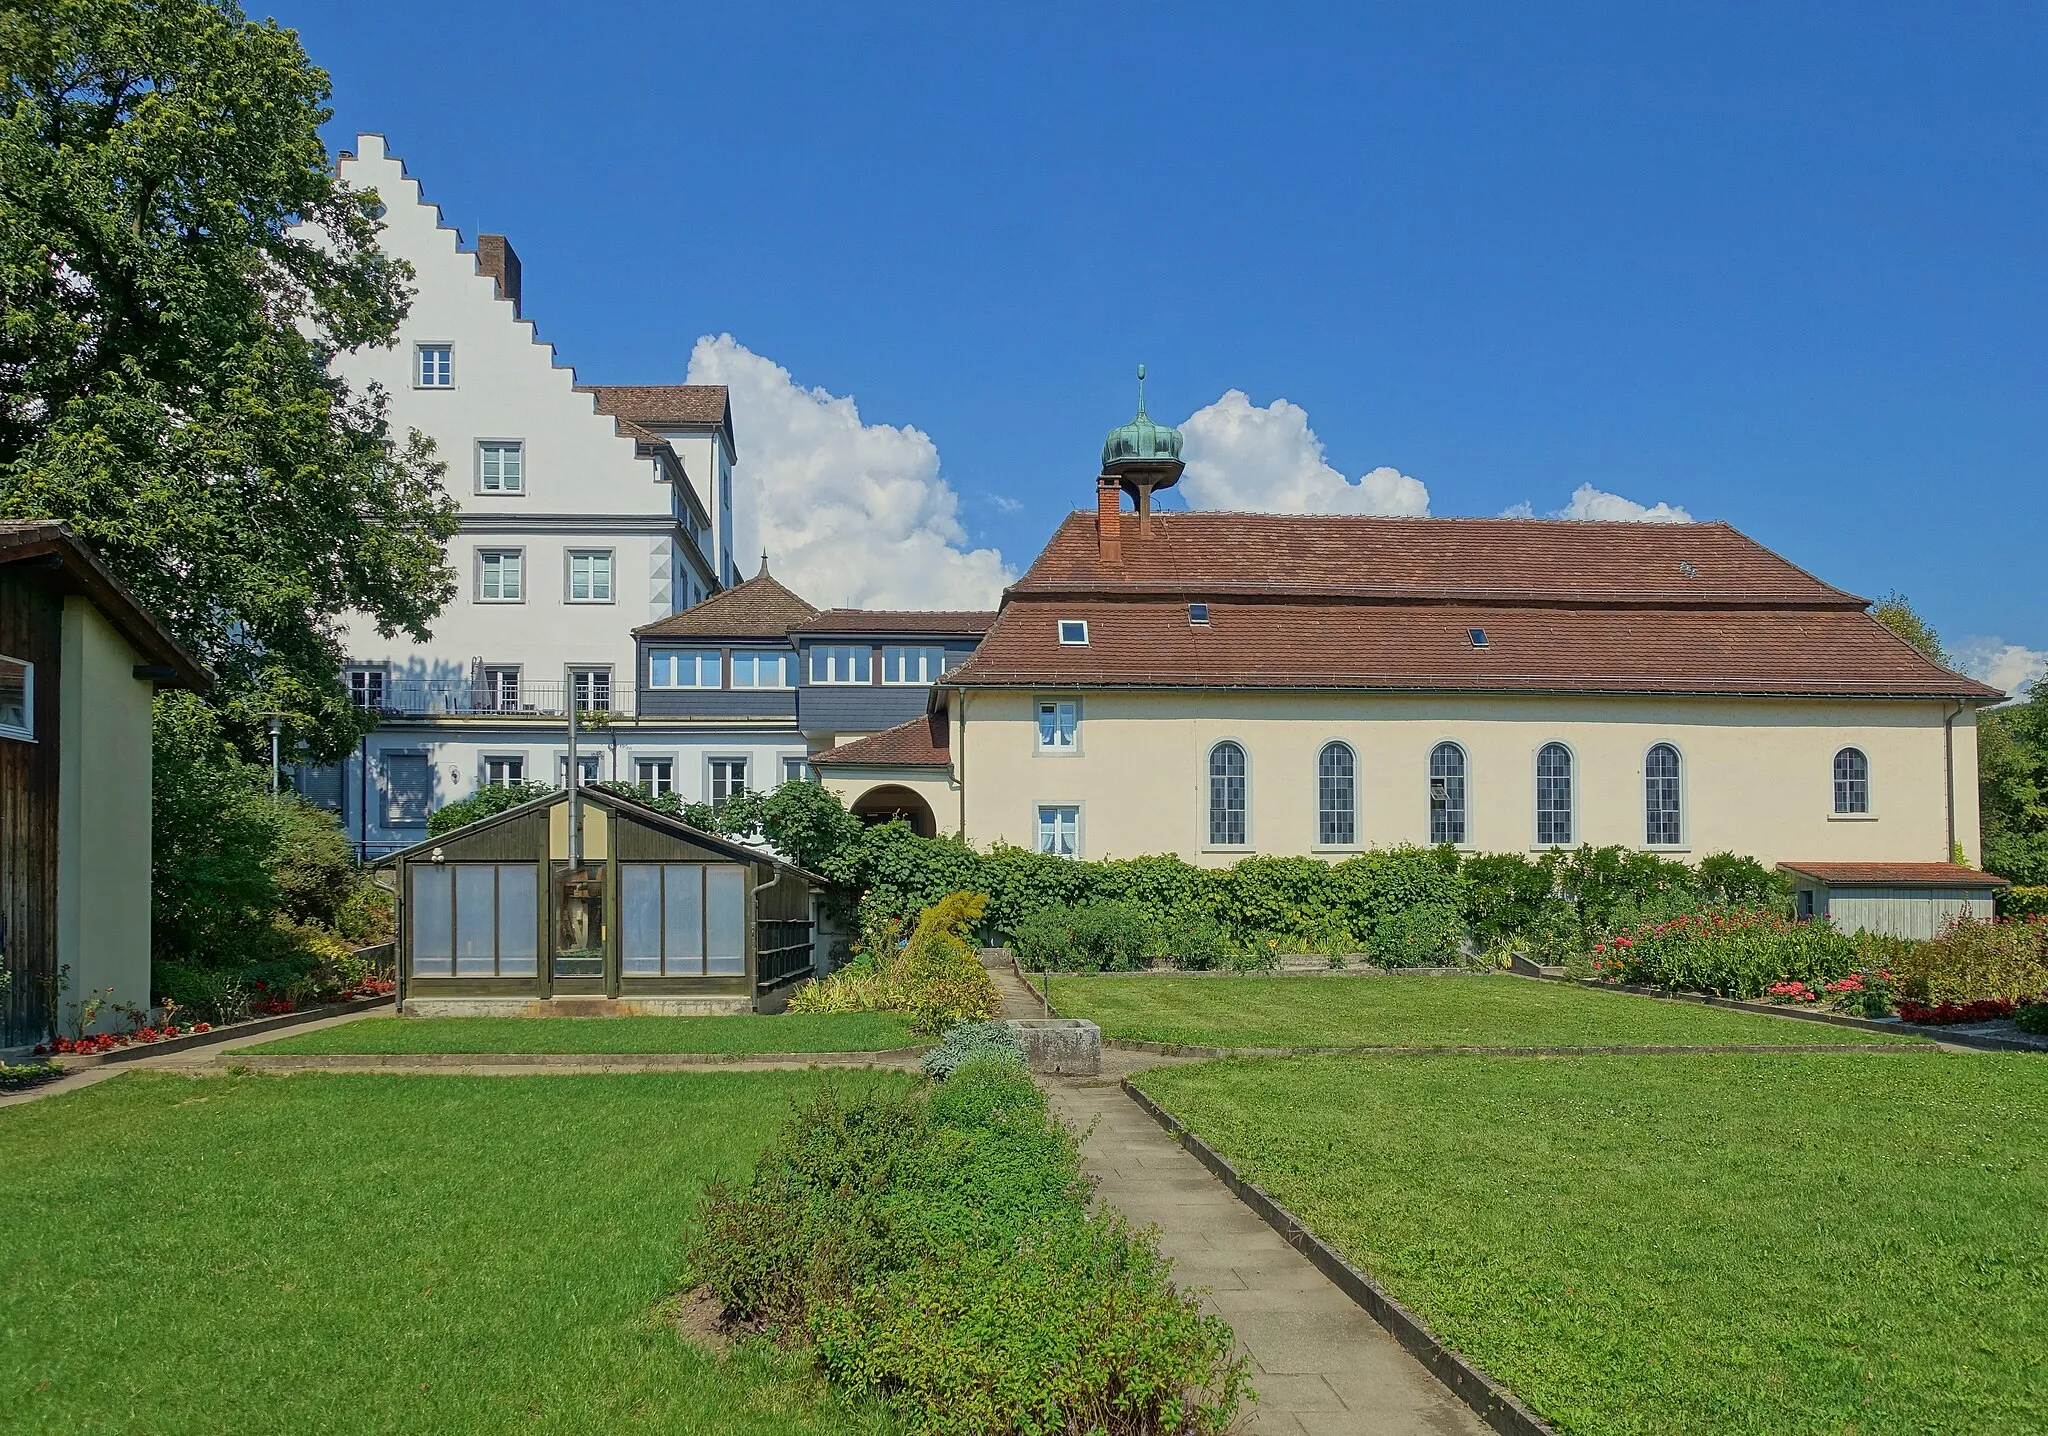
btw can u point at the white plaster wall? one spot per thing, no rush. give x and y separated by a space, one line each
584 485
1757 774
103 798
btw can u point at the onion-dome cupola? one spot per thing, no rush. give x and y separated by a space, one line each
1141 456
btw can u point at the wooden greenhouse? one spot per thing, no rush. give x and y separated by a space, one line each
644 915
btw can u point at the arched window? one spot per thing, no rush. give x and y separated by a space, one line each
1447 793
1226 796
1554 795
1852 781
1336 796
1662 823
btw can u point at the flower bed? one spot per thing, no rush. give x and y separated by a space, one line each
1740 952
1947 1014
93 1044
27 1074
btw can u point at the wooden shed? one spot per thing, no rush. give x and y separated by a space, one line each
1901 899
647 915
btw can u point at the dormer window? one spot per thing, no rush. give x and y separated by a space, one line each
1478 637
1073 630
1198 613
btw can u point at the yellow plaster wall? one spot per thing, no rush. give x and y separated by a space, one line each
934 785
1757 774
103 849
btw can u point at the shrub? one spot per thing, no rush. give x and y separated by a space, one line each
2020 901
936 1246
1096 937
936 976
1739 952
1971 961
1417 937
1192 940
2031 1017
967 1042
485 802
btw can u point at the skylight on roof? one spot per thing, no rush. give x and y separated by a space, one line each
1073 630
1198 613
1478 637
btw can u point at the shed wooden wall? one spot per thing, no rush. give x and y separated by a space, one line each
31 629
1905 911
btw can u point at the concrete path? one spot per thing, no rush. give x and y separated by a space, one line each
1319 1363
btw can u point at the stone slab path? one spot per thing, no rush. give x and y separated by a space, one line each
1320 1365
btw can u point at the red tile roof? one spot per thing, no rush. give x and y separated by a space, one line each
79 570
1206 554
662 403
898 620
1372 603
758 608
1916 875
920 743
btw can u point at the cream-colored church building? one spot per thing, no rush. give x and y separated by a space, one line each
1222 684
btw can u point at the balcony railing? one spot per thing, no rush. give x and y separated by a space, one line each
450 698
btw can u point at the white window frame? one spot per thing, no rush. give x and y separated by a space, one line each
366 671
1323 844
1572 838
592 557
860 665
500 447
484 778
749 660
591 761
502 689
804 773
420 351
1038 832
711 762
1679 843
483 557
1073 632
643 761
590 671
696 657
25 731
1430 780
930 664
1208 789
1054 702
1837 814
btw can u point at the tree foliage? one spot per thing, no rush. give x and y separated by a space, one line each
178 264
1895 612
2012 785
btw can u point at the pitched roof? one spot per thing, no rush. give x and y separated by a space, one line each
1351 602
898 620
662 403
1906 875
758 608
920 743
1504 560
82 572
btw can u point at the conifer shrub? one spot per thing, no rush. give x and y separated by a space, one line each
934 1249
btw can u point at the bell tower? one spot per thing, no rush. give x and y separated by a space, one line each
1139 458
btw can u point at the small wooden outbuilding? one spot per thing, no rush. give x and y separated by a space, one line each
646 915
1913 900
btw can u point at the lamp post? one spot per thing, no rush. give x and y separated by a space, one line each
276 733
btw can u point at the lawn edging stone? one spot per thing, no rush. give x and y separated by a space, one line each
623 1061
1493 1403
233 1032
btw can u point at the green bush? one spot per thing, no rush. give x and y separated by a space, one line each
1417 937
1192 940
967 1042
936 976
1731 952
2019 901
937 1250
485 802
1094 937
2031 1017
2004 959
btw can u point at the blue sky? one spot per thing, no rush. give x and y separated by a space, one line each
1776 264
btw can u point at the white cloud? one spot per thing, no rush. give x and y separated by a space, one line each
1005 504
2003 665
1269 460
851 514
1597 504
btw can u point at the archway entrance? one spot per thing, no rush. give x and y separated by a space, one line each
880 805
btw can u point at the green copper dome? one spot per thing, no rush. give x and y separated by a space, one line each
1141 439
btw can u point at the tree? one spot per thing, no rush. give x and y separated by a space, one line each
2012 787
178 264
1896 613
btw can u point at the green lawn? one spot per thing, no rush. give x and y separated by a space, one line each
1486 1011
1741 1243
378 1254
739 1033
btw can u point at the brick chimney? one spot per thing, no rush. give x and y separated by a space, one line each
496 257
1109 521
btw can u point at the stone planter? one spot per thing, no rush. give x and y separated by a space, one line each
1059 1046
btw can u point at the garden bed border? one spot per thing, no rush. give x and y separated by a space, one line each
78 1061
1835 1019
541 1061
1493 1403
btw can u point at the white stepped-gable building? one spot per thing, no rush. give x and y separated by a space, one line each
586 512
